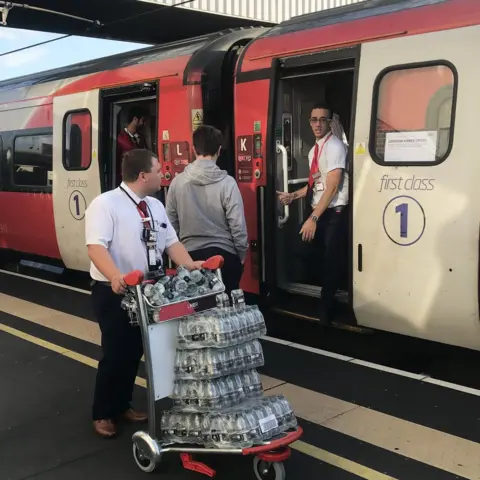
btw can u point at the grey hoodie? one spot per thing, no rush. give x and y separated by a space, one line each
205 207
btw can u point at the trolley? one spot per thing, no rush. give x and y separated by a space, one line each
159 341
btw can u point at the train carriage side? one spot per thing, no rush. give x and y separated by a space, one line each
401 79
59 132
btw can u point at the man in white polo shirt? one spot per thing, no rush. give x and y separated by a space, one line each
126 229
327 199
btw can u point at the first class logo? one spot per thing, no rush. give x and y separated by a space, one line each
77 183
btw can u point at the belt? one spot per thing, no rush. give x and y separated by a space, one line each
94 282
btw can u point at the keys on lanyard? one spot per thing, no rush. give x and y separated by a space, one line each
149 235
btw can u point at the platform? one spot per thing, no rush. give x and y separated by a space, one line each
360 421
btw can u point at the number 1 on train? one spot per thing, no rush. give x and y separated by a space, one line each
77 204
403 210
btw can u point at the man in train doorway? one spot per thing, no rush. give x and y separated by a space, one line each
324 231
130 137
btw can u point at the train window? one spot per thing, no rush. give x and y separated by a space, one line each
413 113
32 161
77 140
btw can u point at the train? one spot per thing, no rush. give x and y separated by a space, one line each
402 79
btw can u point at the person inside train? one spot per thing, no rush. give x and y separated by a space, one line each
131 136
324 229
205 207
126 229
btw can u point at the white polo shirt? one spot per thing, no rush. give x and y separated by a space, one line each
333 156
113 220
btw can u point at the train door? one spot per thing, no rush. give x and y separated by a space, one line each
416 218
117 105
76 180
302 82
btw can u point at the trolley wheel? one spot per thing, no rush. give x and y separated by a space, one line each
268 471
144 463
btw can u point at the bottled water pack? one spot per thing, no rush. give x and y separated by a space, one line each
252 423
218 394
221 327
209 363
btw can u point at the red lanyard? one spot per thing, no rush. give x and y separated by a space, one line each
316 156
143 212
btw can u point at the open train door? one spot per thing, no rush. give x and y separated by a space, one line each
76 179
415 225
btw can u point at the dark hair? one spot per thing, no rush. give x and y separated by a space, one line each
207 140
135 111
324 106
136 161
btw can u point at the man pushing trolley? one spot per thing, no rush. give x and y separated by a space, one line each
202 350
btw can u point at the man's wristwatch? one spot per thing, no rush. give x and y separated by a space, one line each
314 218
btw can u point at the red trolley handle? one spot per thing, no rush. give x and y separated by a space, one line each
136 277
288 439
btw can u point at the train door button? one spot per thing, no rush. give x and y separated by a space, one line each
257 173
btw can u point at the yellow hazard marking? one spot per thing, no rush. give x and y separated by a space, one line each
339 462
305 448
197 118
360 148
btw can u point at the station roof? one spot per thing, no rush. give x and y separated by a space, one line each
123 20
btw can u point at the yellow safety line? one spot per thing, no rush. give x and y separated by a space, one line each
305 448
340 462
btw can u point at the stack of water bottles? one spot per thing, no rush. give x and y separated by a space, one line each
168 289
218 396
182 286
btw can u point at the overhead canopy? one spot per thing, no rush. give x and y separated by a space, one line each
123 20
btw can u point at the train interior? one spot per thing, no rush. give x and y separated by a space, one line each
116 104
296 95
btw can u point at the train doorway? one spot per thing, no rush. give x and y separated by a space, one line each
116 105
297 90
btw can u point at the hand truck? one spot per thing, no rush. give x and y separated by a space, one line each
161 336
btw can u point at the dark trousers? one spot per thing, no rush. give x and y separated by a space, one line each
326 255
122 350
232 267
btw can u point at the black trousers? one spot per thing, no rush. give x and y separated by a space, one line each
122 350
326 256
232 270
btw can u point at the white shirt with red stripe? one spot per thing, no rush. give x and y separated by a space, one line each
332 156
113 221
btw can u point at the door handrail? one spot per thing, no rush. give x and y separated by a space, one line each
286 209
296 181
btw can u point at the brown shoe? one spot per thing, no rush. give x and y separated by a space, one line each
105 428
134 417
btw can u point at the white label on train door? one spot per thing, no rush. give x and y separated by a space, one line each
268 423
411 146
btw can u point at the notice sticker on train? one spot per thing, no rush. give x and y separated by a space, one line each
197 118
408 147
360 148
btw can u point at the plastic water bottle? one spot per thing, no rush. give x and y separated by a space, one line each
198 278
214 283
183 273
192 290
149 290
259 321
179 285
222 300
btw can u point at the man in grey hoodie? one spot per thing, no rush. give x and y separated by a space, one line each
205 207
